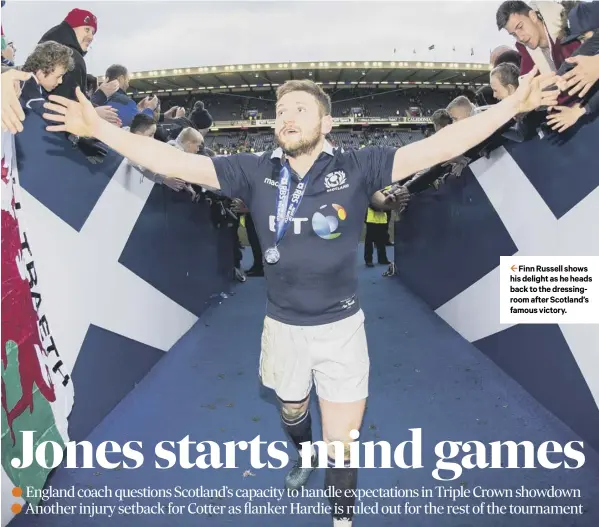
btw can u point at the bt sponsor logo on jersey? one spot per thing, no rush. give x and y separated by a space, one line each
336 181
323 226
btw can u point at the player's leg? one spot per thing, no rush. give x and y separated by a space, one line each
297 422
342 386
285 367
338 420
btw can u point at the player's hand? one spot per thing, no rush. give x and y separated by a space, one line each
533 91
12 113
582 77
76 117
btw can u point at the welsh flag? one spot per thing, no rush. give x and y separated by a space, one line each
37 392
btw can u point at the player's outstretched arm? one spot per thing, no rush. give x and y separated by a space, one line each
457 138
80 118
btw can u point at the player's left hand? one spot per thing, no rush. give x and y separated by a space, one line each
535 91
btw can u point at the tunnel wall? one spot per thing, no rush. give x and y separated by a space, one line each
538 198
109 270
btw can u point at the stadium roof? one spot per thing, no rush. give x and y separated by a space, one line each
249 77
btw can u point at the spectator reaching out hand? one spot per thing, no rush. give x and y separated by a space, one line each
12 112
580 79
565 117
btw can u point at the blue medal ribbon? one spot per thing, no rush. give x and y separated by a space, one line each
285 211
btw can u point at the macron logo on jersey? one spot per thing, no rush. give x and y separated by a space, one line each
271 182
336 181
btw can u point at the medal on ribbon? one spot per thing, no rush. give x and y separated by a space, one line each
285 211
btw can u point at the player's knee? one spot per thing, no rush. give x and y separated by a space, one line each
338 445
293 411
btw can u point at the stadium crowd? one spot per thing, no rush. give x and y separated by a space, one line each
557 37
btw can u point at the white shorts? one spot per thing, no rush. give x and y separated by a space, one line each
334 356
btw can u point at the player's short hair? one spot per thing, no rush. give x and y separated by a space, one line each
507 74
308 86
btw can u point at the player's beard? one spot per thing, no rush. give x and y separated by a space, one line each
305 145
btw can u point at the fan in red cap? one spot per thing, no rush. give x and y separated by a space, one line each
77 32
85 25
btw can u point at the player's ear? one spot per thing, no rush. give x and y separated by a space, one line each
327 124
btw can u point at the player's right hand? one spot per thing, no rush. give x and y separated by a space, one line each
78 118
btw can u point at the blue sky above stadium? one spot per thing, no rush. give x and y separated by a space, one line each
153 35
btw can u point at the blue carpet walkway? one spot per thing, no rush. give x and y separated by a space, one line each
423 375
